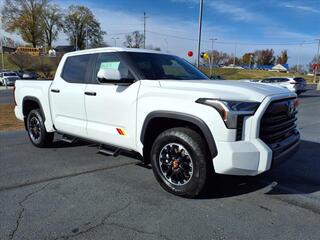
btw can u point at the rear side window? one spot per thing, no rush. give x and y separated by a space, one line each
299 80
283 79
75 68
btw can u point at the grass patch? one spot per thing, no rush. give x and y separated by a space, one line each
235 74
8 120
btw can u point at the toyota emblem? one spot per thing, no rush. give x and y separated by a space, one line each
291 108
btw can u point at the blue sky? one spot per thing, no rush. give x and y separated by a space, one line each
238 24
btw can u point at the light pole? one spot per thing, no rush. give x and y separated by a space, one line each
167 45
211 57
115 41
299 57
2 58
199 33
251 55
235 53
318 65
144 29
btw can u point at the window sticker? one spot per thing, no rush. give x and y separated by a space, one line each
109 65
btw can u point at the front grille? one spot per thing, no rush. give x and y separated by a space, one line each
278 127
239 128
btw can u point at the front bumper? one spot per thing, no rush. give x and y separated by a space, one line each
250 158
253 156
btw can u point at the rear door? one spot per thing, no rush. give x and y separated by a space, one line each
111 108
67 95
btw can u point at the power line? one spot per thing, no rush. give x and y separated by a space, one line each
232 43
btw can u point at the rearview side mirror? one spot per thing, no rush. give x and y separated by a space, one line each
113 76
108 75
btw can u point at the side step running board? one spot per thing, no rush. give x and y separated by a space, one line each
109 152
68 139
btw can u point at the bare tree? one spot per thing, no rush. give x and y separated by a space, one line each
45 66
134 40
283 57
22 60
247 58
264 57
218 58
81 25
52 23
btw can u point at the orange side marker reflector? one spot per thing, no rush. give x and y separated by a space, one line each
121 132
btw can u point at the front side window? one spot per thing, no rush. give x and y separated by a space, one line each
75 68
9 74
154 66
110 61
267 80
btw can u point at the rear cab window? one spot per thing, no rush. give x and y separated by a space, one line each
76 68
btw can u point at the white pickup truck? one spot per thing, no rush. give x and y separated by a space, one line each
161 107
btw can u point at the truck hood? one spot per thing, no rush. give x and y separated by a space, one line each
226 89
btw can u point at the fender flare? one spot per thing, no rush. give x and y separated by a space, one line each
35 100
184 117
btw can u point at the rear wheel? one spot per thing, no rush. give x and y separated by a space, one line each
179 160
36 130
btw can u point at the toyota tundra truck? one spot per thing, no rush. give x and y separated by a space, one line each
161 107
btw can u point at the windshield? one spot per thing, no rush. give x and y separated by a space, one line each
9 74
12 78
155 66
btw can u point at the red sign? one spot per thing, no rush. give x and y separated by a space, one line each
190 53
315 66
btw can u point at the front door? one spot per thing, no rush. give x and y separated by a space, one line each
111 108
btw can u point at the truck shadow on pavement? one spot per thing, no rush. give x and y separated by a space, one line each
61 144
299 175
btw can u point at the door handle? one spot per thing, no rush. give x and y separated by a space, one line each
90 93
55 90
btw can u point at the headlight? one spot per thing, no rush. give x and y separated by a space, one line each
230 110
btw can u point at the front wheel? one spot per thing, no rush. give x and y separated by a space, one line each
36 130
179 160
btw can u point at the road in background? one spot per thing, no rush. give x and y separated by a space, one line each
70 191
6 95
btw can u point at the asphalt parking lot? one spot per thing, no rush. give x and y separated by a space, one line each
69 191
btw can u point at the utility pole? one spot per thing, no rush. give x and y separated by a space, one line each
144 29
167 45
2 58
211 57
199 33
115 41
299 57
235 53
318 65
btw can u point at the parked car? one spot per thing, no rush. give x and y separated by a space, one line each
8 78
164 109
27 75
217 77
295 84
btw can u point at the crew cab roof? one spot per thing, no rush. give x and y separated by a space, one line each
111 49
